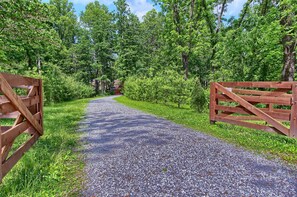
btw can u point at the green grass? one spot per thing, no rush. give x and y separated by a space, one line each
52 166
271 145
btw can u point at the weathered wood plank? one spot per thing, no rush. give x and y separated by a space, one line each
253 109
5 128
1 176
278 92
19 81
19 105
9 135
293 122
8 107
249 125
213 103
40 103
9 115
244 118
257 99
250 84
17 155
7 147
277 114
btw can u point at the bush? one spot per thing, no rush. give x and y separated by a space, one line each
198 98
60 87
172 89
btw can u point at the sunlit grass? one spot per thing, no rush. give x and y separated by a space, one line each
51 167
272 145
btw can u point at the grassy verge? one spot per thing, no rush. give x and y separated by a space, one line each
51 167
272 145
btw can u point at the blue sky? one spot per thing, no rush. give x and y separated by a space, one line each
141 7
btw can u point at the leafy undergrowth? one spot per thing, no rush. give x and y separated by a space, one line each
51 167
272 145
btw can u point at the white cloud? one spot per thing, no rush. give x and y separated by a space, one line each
85 2
235 8
140 7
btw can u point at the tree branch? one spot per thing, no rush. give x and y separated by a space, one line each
242 15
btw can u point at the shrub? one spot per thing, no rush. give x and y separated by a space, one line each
198 98
60 87
171 89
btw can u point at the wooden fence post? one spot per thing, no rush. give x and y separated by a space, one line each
293 121
40 108
0 155
27 112
213 103
0 144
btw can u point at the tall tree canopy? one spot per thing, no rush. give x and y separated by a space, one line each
193 38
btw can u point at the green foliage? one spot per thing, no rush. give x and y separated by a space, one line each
98 34
51 167
193 38
60 87
252 52
172 89
261 142
198 98
128 41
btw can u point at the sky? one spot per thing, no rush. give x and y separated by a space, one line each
141 7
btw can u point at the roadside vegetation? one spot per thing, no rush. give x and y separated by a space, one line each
271 145
52 166
166 61
172 89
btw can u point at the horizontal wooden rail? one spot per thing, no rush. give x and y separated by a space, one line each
249 125
278 92
27 112
8 107
13 159
16 81
10 115
258 99
238 103
277 114
284 85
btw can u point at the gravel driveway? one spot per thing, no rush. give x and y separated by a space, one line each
130 153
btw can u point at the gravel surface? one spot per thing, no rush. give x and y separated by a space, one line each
130 153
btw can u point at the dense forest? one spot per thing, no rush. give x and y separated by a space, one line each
82 56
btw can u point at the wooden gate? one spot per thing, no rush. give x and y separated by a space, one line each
21 105
268 106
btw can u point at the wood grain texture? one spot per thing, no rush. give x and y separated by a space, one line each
16 156
20 81
293 129
246 99
27 112
19 105
250 84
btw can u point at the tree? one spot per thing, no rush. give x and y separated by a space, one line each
289 40
65 21
25 36
128 47
98 22
152 29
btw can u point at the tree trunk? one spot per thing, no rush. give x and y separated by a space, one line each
102 83
289 58
289 45
30 61
97 86
39 65
97 83
185 60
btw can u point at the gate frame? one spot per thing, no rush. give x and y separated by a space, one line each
247 99
27 112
